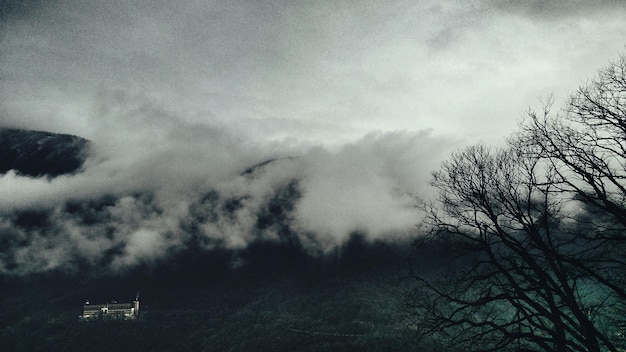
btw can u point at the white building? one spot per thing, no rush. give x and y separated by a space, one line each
110 311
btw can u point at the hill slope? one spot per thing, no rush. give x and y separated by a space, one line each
347 301
272 295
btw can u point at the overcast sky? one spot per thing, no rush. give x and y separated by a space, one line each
179 97
300 71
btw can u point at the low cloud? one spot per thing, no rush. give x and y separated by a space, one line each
372 186
146 194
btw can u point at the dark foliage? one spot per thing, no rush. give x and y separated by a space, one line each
200 304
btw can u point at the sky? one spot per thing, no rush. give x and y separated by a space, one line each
368 96
321 72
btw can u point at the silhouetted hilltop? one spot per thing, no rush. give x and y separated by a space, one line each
37 153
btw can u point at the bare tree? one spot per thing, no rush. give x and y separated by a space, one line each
524 282
586 142
537 229
585 145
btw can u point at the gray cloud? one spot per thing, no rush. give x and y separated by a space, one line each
554 10
120 213
325 70
17 9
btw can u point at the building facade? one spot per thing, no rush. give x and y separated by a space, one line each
110 311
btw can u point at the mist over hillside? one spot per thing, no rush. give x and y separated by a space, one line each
208 263
111 212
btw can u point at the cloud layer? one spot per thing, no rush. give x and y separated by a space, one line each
320 72
152 201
